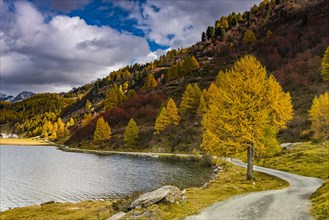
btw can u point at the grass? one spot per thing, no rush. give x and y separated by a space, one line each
229 183
307 159
61 211
22 141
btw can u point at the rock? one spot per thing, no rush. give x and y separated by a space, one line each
205 185
117 216
288 146
184 199
151 213
47 203
285 146
168 193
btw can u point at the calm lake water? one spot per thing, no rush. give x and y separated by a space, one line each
33 175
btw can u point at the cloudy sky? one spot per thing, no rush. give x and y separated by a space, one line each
54 45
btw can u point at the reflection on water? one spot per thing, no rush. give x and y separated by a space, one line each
32 175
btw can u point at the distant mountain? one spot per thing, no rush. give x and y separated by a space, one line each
4 97
21 96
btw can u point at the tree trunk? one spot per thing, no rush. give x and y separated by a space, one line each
250 166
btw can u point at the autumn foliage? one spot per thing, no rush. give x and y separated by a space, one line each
319 116
190 100
102 132
131 134
246 105
168 116
325 65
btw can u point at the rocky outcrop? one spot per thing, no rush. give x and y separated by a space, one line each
139 207
170 194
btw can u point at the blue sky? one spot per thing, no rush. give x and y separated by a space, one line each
54 45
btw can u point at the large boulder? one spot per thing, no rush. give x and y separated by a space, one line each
168 193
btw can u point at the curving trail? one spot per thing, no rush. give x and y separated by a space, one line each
289 203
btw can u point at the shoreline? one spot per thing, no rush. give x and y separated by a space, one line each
24 142
128 153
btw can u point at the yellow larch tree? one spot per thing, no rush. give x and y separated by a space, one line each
55 127
168 115
247 104
206 98
325 65
131 134
249 37
72 121
189 65
319 116
195 63
88 106
173 112
172 71
162 121
87 118
102 132
53 136
150 83
61 128
114 97
190 100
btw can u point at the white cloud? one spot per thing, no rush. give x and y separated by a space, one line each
43 53
151 56
184 20
64 52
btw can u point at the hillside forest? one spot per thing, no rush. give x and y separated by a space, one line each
254 80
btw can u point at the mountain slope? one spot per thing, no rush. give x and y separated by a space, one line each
291 38
23 95
4 97
20 97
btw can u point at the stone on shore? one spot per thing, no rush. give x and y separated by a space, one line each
117 216
170 194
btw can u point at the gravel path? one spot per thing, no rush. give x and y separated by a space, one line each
289 203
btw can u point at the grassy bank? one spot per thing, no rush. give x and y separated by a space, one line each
230 182
81 210
23 141
309 160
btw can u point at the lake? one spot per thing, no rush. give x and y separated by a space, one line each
33 175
